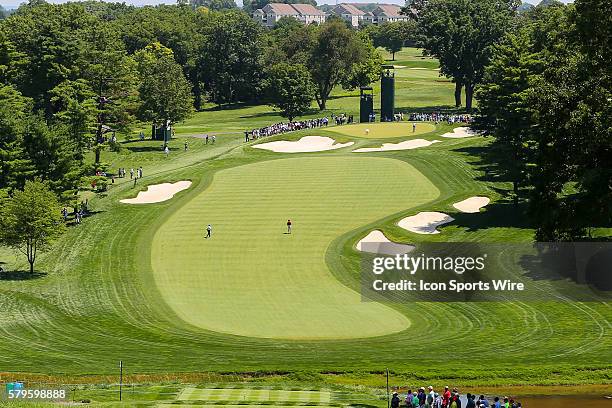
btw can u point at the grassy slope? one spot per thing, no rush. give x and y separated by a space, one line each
99 302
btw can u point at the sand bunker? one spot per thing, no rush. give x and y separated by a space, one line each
377 243
460 132
405 145
157 193
425 222
304 145
472 204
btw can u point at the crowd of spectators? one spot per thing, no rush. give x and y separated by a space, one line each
438 117
284 127
422 398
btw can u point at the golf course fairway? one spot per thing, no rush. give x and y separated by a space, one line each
251 278
383 130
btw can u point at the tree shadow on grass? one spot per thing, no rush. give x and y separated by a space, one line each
485 159
21 275
71 222
145 149
232 106
501 214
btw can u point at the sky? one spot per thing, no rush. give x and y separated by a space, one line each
15 3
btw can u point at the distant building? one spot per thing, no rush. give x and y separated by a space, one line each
387 13
349 13
272 12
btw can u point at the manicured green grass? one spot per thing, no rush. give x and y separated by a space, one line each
384 130
254 280
410 57
254 395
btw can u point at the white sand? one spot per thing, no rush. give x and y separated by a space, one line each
157 193
419 68
377 243
425 222
405 145
472 204
304 145
460 132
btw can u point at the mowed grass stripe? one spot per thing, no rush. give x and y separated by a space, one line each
251 279
254 395
383 130
235 406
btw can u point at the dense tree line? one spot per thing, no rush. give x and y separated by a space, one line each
73 75
546 96
542 78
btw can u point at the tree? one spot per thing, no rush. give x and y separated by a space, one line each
53 155
50 37
112 79
177 28
11 61
164 90
503 108
31 220
393 36
460 34
368 69
230 57
336 53
75 105
290 89
15 166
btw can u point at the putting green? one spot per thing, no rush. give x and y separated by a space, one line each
383 130
251 278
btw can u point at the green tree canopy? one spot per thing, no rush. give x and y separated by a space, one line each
31 220
164 91
394 36
230 63
460 34
290 89
334 58
15 166
50 38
